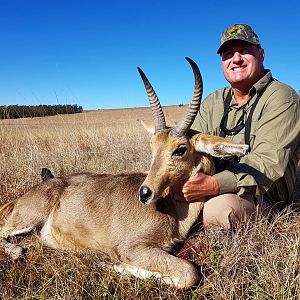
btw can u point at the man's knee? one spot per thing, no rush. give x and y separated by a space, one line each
227 210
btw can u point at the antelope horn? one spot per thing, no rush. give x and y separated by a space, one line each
157 112
185 124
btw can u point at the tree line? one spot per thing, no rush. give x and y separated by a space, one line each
24 111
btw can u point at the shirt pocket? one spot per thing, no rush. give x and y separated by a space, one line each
253 133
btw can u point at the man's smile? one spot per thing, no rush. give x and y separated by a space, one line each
237 69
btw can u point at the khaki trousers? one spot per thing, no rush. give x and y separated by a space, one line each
229 210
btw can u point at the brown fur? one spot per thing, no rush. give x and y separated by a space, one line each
103 212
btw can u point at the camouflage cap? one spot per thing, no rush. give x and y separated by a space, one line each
239 32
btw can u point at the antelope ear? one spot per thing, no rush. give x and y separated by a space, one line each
148 127
218 146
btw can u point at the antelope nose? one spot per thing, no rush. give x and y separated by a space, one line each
145 194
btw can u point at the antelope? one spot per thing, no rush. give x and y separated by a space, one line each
131 217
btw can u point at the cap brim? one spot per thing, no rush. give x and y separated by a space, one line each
235 39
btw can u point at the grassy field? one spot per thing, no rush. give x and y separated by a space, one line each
257 261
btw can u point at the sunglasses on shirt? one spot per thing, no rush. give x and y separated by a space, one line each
240 124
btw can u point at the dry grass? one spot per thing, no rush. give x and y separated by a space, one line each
258 261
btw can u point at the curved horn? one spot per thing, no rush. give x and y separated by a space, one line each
185 124
157 112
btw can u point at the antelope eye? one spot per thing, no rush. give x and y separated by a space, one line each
180 151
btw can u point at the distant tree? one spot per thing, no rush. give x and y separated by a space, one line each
24 111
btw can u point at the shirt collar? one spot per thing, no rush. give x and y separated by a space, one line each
261 83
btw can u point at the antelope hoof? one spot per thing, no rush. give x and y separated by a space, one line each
14 252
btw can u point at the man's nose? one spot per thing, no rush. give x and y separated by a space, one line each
237 56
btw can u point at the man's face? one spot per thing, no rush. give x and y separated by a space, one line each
242 64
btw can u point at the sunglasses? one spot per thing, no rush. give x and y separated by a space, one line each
240 124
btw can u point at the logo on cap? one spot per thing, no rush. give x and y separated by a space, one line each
235 30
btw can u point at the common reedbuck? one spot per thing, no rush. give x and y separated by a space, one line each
108 212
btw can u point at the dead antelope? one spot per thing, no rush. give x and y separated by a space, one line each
108 212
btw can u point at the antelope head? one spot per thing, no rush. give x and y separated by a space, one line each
179 152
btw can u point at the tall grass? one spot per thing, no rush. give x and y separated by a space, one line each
256 261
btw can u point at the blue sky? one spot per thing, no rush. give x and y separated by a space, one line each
86 52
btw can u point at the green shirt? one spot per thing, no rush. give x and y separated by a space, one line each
270 167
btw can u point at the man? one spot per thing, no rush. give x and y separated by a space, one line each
257 110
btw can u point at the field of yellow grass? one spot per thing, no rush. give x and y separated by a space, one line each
107 141
257 261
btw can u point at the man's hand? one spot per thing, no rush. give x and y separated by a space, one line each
197 187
